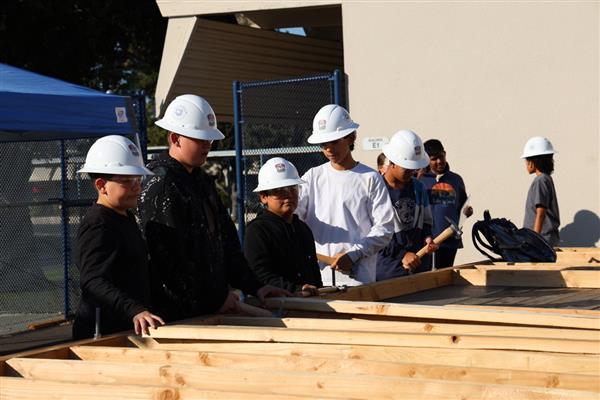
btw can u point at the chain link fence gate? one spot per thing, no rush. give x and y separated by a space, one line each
274 119
42 202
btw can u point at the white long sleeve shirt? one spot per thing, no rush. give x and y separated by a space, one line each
348 212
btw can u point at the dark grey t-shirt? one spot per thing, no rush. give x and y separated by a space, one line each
542 193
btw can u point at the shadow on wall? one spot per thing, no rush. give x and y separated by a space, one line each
584 231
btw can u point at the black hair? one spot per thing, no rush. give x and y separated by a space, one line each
94 176
381 158
433 147
544 163
354 141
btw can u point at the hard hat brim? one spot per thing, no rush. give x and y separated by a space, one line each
204 134
114 170
278 184
318 138
408 164
538 153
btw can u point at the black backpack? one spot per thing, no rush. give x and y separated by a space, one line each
511 243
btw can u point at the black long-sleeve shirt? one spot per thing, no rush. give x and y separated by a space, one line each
195 253
113 264
280 253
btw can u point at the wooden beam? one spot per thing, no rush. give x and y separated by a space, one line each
277 382
339 366
407 327
27 389
515 360
396 287
538 266
290 335
437 312
528 278
563 311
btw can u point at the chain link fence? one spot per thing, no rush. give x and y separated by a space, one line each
274 119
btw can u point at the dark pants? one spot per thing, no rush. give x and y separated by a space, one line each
444 257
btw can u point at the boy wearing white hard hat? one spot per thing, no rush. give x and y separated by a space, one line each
344 202
404 155
110 252
541 207
279 247
195 254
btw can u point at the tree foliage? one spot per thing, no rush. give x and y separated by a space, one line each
106 45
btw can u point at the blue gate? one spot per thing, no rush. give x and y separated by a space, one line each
274 118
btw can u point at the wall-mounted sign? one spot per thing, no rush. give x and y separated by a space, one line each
374 143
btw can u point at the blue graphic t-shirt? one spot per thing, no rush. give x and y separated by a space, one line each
447 195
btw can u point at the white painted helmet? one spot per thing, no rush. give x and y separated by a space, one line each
190 115
332 122
114 155
276 173
537 146
406 150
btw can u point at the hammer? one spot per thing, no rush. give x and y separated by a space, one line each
330 260
452 230
326 290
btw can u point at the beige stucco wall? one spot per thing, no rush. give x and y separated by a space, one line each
483 77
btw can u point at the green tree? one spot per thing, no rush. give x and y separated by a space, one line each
111 45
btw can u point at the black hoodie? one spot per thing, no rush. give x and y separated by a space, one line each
195 253
282 254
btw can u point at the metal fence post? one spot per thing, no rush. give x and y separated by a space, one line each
65 226
239 162
337 87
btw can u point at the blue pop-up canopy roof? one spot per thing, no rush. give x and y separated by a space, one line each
36 107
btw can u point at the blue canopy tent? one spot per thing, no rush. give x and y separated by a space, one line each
34 107
46 128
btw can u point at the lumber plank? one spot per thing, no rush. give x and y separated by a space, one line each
276 382
515 316
509 359
339 366
378 291
560 311
291 335
406 327
537 266
528 278
29 389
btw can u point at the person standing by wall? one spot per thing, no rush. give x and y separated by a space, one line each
344 202
447 196
541 207
195 254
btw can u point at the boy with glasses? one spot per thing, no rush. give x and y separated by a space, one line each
344 202
279 247
110 252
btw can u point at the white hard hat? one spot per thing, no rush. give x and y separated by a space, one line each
114 155
406 150
190 115
332 122
537 146
276 173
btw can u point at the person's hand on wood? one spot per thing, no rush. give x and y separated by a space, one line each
142 321
231 303
308 290
272 291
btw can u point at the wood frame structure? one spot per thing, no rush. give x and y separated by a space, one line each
344 346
